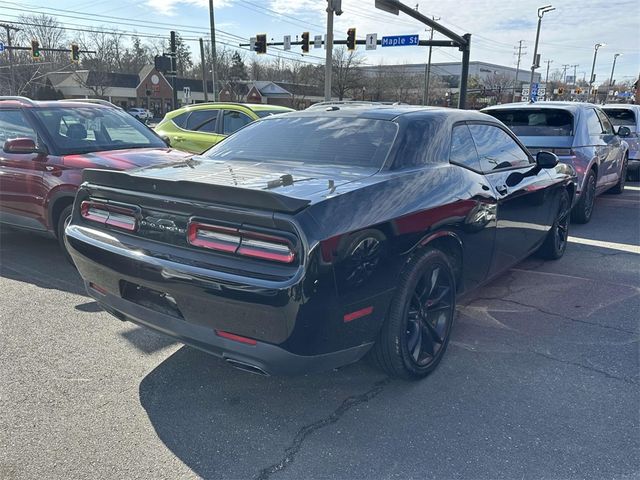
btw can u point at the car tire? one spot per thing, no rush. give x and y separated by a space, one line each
416 332
619 187
63 221
555 243
583 210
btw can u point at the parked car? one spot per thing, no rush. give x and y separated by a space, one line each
581 135
305 241
141 114
629 116
45 147
195 128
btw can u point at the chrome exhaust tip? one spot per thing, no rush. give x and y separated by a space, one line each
247 367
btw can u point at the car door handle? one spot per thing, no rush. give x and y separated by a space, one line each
502 189
178 139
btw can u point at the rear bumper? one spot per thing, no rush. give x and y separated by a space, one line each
269 313
259 358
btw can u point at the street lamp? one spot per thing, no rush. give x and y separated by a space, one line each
541 12
592 78
615 57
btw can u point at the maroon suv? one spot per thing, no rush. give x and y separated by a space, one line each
45 147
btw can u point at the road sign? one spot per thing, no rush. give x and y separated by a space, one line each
401 41
317 41
287 42
524 97
1 47
187 92
372 41
252 44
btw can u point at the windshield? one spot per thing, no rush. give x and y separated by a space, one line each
310 140
544 122
268 113
621 116
93 129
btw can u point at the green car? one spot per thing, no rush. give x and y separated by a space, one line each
196 128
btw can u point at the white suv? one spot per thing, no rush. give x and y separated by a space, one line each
140 113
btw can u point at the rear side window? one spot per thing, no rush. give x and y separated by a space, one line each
620 116
13 124
543 122
593 123
496 149
232 121
412 144
202 121
463 150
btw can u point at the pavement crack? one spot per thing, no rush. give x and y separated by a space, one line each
586 367
553 314
296 444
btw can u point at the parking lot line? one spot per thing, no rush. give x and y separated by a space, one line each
623 247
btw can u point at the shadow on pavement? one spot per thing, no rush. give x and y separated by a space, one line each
36 259
224 423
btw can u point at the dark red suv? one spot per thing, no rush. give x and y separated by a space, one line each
45 147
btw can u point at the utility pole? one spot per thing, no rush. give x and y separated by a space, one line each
333 6
564 72
174 64
214 93
575 78
535 63
548 62
203 64
427 74
12 80
515 83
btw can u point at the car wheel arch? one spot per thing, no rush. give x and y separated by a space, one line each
57 203
451 245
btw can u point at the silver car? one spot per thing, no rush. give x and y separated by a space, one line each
581 135
629 116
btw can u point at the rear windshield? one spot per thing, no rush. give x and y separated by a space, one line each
544 122
620 116
268 113
93 129
310 140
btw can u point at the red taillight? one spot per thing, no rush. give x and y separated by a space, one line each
241 242
107 214
236 338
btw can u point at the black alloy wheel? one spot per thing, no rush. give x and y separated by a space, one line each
429 316
555 244
584 208
416 332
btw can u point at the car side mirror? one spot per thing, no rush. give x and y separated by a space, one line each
624 131
21 145
546 159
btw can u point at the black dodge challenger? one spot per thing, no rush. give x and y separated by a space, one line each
305 241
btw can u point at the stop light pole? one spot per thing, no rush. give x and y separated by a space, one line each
333 6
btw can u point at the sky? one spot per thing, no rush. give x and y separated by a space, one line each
567 36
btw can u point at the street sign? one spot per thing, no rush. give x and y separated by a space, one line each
401 41
287 42
187 92
317 41
372 41
252 44
1 47
524 97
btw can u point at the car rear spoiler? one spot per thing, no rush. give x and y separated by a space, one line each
184 189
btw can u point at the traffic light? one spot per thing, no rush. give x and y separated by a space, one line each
351 39
35 49
305 42
261 44
75 53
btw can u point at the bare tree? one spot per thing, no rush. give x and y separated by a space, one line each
346 75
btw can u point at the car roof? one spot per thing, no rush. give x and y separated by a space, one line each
251 106
622 106
389 112
28 103
568 106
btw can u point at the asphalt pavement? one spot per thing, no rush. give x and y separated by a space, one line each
541 381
